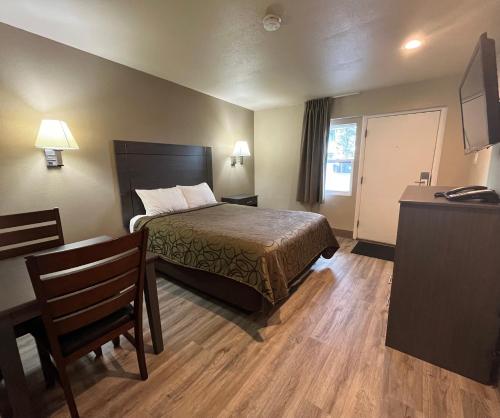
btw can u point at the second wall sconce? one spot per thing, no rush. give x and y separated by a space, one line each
54 136
240 150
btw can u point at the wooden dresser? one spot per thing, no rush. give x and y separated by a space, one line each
445 297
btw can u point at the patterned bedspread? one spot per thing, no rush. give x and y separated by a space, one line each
262 248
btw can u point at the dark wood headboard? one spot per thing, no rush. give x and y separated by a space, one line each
151 165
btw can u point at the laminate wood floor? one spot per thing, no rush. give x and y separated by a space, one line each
321 354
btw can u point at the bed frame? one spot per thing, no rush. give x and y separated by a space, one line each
148 165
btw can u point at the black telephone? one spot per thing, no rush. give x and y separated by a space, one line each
481 193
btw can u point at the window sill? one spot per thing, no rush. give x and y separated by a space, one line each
335 193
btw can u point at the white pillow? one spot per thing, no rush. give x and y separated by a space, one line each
198 195
159 201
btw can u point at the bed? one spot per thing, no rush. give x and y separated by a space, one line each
248 257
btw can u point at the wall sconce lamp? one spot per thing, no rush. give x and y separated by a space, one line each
240 150
54 136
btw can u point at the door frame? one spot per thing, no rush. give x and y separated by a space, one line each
435 162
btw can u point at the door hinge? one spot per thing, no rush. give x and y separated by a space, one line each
361 182
366 133
357 223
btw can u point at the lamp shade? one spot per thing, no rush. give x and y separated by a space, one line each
55 134
241 149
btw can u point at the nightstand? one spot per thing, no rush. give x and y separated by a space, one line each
241 199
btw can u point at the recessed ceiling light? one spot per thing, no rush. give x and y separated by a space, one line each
413 44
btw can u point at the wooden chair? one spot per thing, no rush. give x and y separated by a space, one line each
85 296
24 229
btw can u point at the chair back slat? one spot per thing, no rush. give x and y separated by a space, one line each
24 229
28 249
87 316
83 299
27 218
65 260
25 235
80 279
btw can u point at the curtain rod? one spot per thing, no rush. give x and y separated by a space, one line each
338 96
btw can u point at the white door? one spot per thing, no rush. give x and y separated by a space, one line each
397 149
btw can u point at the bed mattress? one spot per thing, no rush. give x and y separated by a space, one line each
262 248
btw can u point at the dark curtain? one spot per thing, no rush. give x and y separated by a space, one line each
315 129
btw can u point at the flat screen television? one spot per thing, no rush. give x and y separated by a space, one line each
479 98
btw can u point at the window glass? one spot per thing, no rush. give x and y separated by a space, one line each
340 158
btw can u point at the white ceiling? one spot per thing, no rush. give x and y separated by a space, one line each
325 47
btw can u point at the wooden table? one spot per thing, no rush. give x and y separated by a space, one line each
18 304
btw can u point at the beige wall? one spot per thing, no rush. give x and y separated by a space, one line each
101 101
455 167
277 150
277 130
494 169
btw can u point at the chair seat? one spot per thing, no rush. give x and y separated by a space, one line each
77 339
80 338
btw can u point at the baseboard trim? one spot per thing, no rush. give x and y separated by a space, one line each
342 233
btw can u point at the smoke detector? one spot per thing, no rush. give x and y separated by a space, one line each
271 23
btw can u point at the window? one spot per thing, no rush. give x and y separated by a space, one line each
340 158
